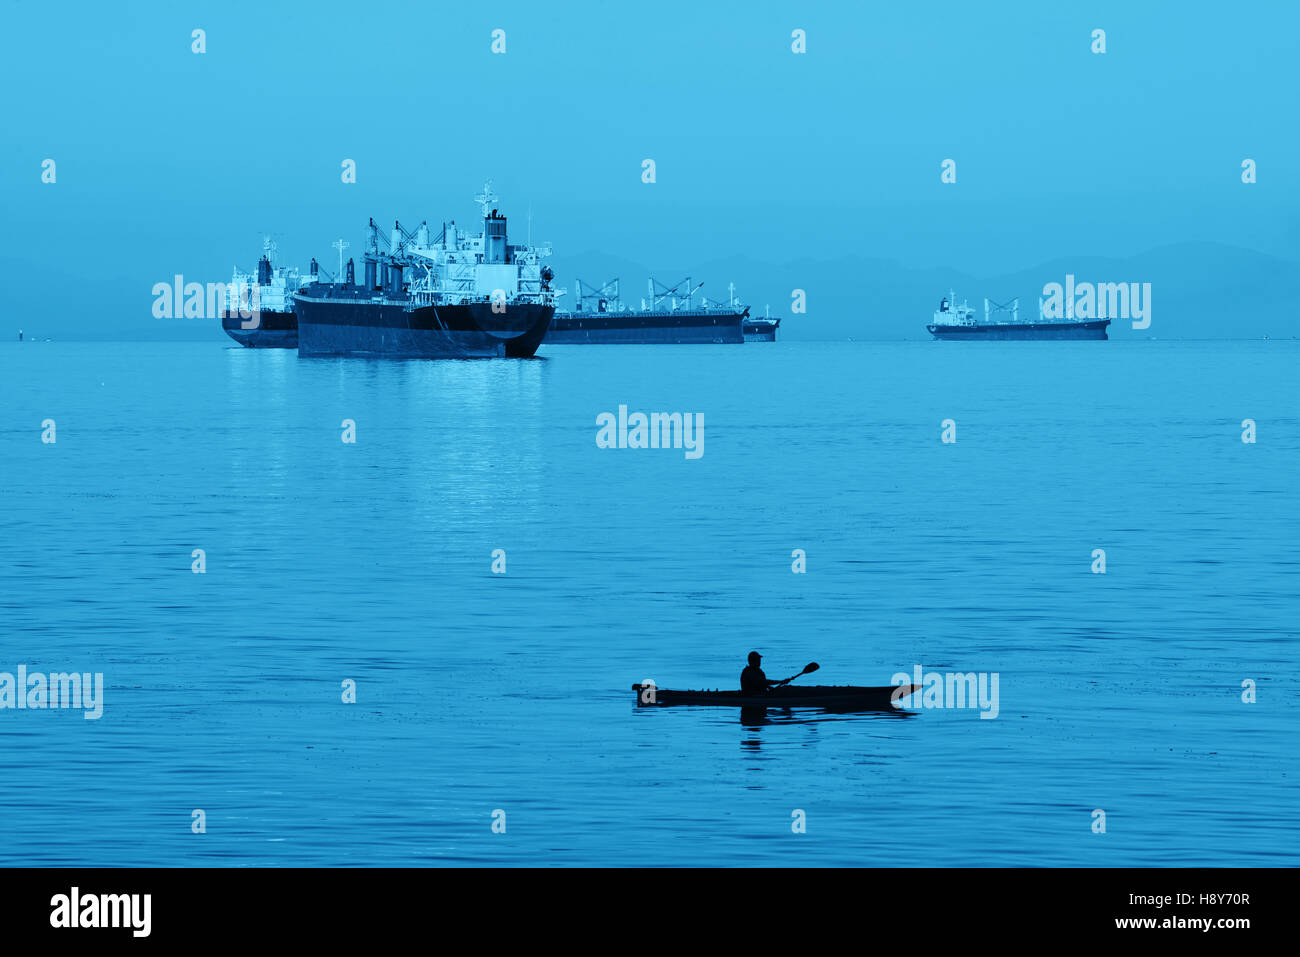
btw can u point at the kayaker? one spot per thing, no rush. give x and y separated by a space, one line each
752 679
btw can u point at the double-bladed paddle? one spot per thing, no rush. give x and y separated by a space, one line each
807 670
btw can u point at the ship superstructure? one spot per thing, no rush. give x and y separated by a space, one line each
455 294
1002 321
272 323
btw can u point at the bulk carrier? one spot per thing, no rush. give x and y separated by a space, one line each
273 325
669 316
955 322
454 296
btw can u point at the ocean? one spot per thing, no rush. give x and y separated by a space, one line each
1146 716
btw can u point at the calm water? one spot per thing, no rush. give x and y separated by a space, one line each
477 692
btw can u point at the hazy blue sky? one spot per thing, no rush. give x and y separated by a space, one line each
171 162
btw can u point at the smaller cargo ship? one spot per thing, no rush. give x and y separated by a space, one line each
958 322
670 316
273 324
761 330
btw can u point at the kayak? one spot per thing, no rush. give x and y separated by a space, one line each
811 696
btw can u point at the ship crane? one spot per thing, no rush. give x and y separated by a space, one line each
410 236
405 244
1012 306
603 297
376 238
659 292
730 303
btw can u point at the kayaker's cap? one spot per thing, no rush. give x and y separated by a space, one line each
755 658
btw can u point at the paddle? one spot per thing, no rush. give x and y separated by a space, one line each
807 670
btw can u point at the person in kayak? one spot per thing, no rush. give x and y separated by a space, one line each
752 679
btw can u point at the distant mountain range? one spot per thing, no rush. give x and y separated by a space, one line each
1199 291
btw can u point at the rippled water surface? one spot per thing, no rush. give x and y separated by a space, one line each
477 692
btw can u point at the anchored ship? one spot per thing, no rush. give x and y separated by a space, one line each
761 330
952 321
669 315
454 296
273 325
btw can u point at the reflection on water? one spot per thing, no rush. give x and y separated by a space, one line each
757 717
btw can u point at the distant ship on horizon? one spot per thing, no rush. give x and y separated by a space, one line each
954 322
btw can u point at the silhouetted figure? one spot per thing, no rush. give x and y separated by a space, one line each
752 679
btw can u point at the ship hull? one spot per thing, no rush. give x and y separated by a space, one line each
760 330
342 326
274 330
668 328
1086 329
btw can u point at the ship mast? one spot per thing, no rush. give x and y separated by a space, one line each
340 245
487 199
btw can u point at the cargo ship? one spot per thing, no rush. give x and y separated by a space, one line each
669 316
954 322
454 296
272 324
760 330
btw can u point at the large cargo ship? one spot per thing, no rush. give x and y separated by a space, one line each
955 322
272 323
454 296
670 315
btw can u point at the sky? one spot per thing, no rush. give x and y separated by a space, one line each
169 161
